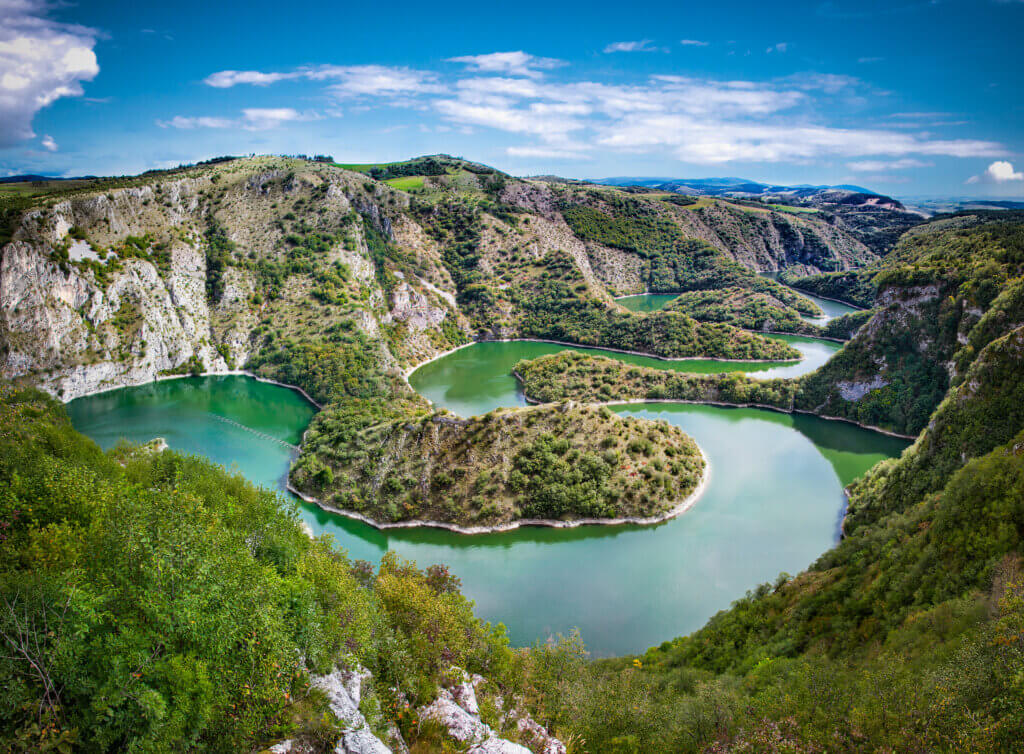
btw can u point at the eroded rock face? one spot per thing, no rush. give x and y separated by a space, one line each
458 711
456 708
343 688
459 722
74 336
854 391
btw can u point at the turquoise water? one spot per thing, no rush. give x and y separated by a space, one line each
830 309
646 302
478 378
773 503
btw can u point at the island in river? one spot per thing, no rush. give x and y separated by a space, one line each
554 465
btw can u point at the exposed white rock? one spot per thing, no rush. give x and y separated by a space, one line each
343 688
458 711
58 322
464 693
498 746
537 736
460 724
854 391
414 309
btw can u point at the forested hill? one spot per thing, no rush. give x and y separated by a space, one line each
908 635
948 289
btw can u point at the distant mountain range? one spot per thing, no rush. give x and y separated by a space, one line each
26 178
747 189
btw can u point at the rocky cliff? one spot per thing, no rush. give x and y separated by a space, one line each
260 263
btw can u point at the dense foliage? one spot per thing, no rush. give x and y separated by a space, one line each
673 261
741 307
565 462
152 602
854 287
581 377
984 411
934 291
554 312
846 326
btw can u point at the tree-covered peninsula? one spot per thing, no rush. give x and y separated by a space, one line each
559 465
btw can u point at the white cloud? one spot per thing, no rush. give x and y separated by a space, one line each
1000 171
779 47
698 120
711 141
538 119
871 166
517 63
376 80
226 79
49 144
830 83
547 153
351 80
186 122
263 118
643 45
862 61
693 43
41 61
251 119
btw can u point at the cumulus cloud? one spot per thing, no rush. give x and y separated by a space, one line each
873 166
41 61
643 45
49 144
779 47
999 171
517 63
693 43
251 119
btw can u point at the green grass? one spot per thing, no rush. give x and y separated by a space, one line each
775 208
364 167
406 182
796 210
40 188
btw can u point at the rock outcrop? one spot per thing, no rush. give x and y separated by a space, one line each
456 709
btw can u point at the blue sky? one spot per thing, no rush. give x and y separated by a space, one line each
908 97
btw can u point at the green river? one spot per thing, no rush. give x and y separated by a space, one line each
650 302
773 502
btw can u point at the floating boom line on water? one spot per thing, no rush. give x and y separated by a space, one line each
256 432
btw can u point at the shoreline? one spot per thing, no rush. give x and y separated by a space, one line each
828 298
797 335
795 290
725 404
688 502
215 373
408 372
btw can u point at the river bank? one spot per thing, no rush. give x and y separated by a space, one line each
215 373
725 404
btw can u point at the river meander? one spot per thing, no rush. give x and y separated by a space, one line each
773 502
650 302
